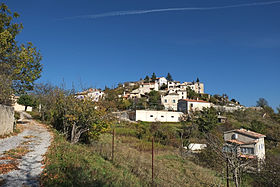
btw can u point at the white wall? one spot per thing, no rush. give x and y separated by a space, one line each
197 106
260 149
161 116
170 104
20 108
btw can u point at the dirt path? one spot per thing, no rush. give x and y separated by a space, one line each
21 156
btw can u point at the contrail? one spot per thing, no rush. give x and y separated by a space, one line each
134 12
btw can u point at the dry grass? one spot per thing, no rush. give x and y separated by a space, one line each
29 137
170 169
16 153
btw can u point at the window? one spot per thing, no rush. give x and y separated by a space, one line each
247 150
191 105
162 116
174 101
172 116
234 136
151 116
165 100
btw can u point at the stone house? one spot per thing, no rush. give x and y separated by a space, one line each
246 143
170 100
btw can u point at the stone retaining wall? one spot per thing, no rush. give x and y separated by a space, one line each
6 119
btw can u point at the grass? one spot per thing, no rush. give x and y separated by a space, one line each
83 165
78 165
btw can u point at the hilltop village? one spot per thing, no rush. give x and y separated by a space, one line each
160 99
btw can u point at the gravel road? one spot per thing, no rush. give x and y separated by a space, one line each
36 139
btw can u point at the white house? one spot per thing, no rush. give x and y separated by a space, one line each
170 101
181 92
195 147
160 116
198 87
148 87
190 105
94 94
248 144
161 81
173 84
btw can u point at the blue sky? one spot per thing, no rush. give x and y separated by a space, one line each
232 50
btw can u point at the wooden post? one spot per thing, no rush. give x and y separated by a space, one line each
227 174
113 142
153 161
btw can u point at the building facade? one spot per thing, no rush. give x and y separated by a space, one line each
246 143
158 116
91 93
189 105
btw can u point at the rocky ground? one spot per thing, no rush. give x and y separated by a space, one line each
21 156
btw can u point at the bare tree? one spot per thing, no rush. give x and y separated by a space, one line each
229 153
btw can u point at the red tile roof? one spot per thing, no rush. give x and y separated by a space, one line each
247 156
248 133
236 142
193 100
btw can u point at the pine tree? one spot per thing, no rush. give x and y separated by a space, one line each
169 77
154 77
147 79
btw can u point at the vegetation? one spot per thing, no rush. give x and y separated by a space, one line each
77 119
91 165
154 77
155 100
19 64
169 77
26 100
262 103
147 79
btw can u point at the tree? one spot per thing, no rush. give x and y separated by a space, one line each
207 119
191 93
257 126
154 77
19 63
169 77
147 79
26 100
227 155
262 103
155 100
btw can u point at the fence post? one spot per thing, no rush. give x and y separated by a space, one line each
227 174
113 142
153 161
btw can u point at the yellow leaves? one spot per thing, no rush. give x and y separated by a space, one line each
70 117
5 38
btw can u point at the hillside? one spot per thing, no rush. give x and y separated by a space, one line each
84 165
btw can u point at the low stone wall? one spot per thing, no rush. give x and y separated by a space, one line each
6 119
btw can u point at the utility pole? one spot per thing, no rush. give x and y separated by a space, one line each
113 142
153 161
